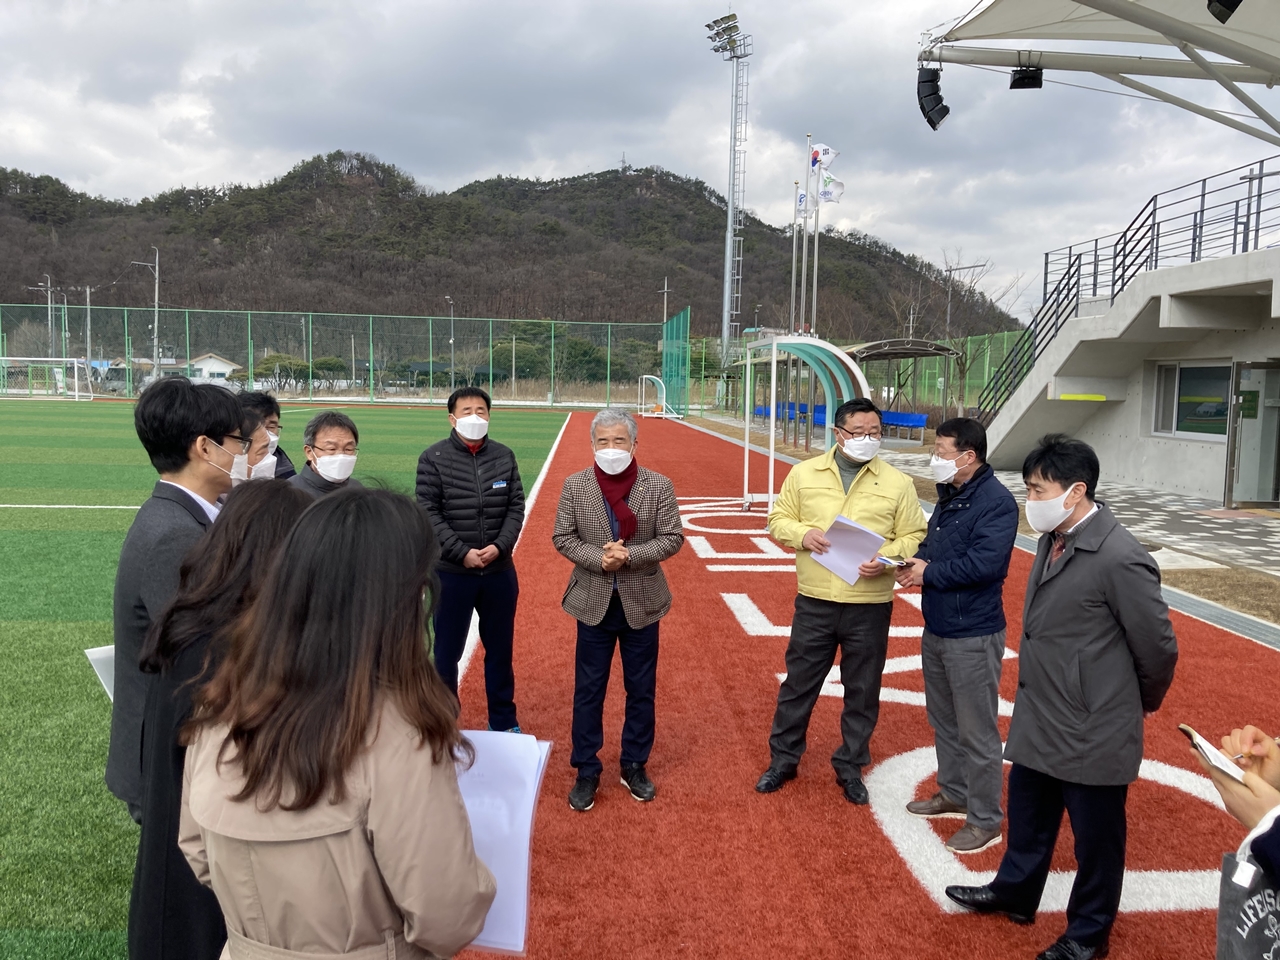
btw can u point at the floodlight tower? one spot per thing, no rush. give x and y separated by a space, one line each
733 45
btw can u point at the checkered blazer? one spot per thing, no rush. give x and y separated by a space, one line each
582 530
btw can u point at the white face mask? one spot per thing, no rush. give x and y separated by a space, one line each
239 471
264 469
943 470
273 441
472 427
337 467
863 449
613 460
1045 516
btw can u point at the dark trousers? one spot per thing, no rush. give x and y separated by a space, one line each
962 699
1036 802
820 628
639 651
494 597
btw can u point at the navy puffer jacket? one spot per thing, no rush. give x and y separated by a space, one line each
473 500
968 546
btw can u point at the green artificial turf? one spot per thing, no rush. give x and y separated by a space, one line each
66 845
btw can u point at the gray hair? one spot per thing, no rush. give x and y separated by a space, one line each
328 420
613 417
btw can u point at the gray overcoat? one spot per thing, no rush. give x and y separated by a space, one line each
1097 650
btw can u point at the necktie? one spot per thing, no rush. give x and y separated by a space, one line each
1059 545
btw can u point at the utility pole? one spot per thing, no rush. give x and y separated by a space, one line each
950 271
155 316
664 291
453 370
47 288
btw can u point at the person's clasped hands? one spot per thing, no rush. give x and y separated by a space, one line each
1259 756
475 559
615 556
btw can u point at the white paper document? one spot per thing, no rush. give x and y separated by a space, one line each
501 793
852 545
103 660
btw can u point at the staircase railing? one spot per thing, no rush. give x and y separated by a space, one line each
1061 305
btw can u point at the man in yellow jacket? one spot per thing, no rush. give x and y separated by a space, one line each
831 615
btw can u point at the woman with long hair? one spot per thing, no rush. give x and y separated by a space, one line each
171 915
320 799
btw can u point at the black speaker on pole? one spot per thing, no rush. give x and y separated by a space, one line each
1223 9
1026 78
929 96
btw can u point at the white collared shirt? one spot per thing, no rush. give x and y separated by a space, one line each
211 509
1083 520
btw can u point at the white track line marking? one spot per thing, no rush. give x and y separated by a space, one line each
749 568
473 634
768 550
892 784
59 506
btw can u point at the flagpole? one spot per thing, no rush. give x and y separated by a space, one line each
813 309
804 242
795 215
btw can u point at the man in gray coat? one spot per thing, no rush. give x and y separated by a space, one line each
1097 656
196 438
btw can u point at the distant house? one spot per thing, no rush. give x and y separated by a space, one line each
210 366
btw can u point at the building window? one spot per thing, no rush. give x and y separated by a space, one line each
1192 400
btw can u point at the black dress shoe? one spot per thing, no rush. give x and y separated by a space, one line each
583 795
773 779
984 900
637 781
1064 948
855 791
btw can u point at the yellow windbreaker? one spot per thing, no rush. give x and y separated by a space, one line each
881 498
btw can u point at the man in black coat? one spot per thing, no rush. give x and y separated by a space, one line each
961 567
194 438
1097 657
267 408
331 445
470 488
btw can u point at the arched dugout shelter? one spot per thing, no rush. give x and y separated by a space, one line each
835 370
908 349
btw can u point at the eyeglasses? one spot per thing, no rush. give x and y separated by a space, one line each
244 444
871 435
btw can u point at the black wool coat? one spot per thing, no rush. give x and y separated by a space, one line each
172 915
473 500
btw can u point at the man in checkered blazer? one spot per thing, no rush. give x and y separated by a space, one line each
617 522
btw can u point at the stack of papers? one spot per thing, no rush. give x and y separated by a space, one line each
500 791
852 545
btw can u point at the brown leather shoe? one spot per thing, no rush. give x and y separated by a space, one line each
971 839
937 807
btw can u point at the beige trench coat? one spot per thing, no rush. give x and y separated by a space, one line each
390 870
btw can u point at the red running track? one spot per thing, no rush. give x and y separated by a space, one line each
713 869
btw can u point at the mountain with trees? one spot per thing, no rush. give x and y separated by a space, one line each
346 233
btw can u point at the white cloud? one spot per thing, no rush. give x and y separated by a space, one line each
131 97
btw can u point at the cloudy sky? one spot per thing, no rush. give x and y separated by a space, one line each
130 97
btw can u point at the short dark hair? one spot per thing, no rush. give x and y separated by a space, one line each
1063 460
967 434
856 405
463 392
260 402
173 412
328 420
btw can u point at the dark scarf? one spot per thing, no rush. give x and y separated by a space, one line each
616 489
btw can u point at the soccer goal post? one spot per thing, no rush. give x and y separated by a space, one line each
61 378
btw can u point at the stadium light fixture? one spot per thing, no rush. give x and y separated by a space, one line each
1223 9
929 96
1026 78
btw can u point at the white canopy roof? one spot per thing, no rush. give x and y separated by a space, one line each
1255 24
1249 42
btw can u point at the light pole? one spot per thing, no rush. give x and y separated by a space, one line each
733 45
155 316
47 289
452 368
950 271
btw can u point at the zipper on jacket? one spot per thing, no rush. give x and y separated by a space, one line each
475 463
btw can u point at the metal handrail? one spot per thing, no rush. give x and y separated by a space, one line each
1060 305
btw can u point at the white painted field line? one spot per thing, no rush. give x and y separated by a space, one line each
473 634
59 506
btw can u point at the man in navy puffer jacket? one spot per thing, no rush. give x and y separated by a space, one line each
962 565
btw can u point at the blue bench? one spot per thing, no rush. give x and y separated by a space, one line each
819 412
908 421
